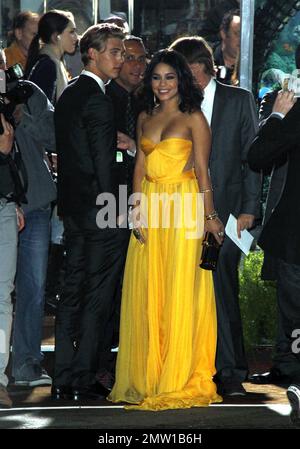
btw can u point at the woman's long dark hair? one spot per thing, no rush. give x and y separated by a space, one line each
190 94
54 21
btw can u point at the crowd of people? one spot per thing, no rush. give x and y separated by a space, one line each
183 150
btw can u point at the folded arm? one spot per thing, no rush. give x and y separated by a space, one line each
97 118
277 136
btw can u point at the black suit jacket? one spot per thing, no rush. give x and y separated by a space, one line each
123 171
86 142
278 172
234 122
276 139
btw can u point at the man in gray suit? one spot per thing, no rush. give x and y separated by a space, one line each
231 113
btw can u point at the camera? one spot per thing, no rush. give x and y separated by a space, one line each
18 93
14 73
11 75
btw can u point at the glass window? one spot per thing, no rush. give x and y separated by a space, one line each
163 21
280 60
82 10
8 10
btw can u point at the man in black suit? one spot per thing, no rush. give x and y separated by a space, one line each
278 172
121 91
277 145
86 142
231 113
126 110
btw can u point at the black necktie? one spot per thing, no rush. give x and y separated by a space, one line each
130 118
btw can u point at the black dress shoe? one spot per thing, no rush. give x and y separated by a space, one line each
271 377
62 392
231 388
95 391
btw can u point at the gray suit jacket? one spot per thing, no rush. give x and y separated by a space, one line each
234 124
34 135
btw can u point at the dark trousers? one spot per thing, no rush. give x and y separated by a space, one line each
107 361
94 258
231 362
287 357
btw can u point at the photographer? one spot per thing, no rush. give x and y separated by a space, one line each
28 108
11 218
34 135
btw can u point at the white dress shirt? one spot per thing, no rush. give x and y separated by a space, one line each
279 115
208 101
96 78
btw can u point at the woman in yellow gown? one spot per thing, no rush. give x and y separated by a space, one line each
168 330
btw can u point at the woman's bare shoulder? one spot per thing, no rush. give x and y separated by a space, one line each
197 118
197 115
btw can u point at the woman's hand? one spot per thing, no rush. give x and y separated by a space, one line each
136 222
216 227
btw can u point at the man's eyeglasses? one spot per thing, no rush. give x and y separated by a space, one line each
132 58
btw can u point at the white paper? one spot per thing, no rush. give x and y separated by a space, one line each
245 242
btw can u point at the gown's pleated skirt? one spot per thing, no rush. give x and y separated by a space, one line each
168 330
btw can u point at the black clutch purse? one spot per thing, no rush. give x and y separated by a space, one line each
210 252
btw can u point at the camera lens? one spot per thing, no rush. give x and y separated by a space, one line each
14 73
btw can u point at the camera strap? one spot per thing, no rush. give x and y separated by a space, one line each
18 173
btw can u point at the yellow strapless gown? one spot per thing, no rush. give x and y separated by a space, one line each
168 329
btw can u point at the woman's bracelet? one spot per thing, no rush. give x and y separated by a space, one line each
212 216
205 190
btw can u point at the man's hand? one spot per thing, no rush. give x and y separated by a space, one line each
125 142
7 138
244 221
284 102
20 218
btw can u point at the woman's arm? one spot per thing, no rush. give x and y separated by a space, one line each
138 175
201 137
139 169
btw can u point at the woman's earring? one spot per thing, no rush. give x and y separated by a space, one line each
155 101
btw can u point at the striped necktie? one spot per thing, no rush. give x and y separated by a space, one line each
130 118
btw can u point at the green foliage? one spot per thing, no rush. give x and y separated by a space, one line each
286 63
257 303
